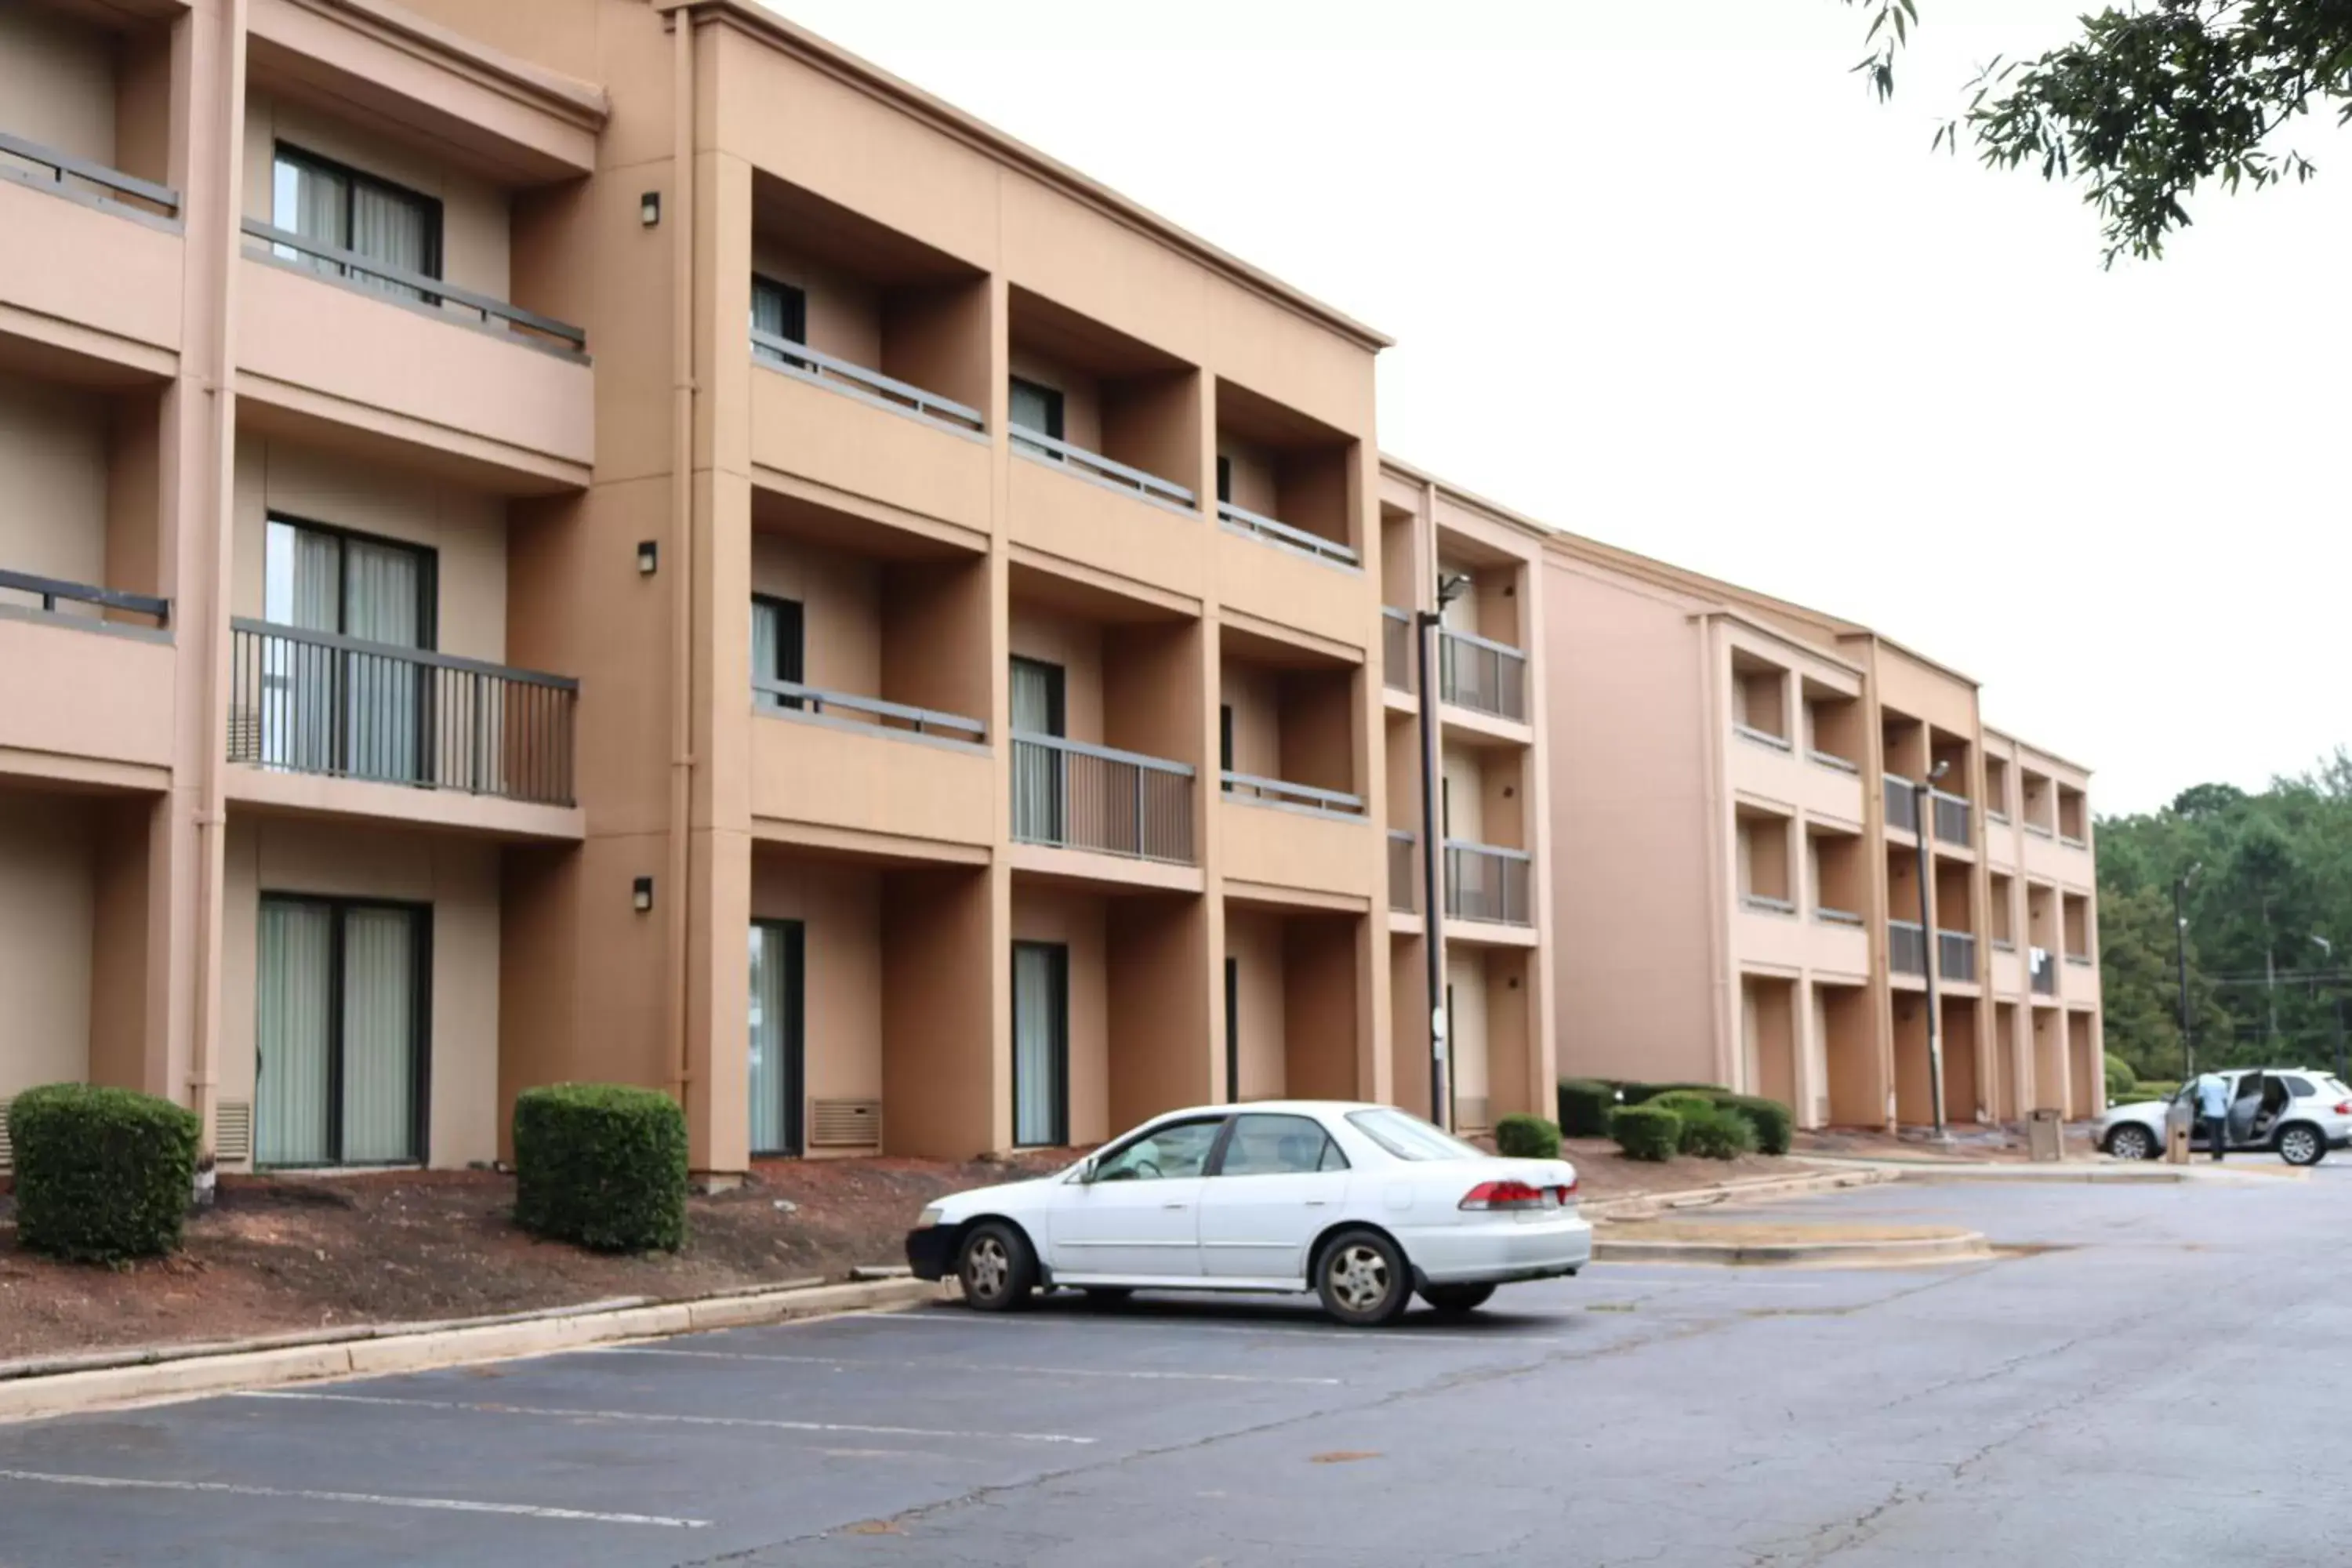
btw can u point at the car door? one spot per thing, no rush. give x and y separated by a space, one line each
1138 1215
2245 1107
1277 1183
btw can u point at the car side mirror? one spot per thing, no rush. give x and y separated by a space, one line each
1087 1171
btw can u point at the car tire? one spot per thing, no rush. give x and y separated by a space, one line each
1457 1300
996 1267
1362 1280
2301 1144
2132 1141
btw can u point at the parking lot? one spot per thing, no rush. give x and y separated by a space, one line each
2128 1372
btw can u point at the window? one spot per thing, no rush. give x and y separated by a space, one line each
338 709
1407 1136
1036 407
2300 1088
777 643
339 207
1225 741
1224 477
343 1022
1179 1149
1279 1146
778 1050
780 310
1040 776
1041 1044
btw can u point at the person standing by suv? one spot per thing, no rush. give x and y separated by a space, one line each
2214 1111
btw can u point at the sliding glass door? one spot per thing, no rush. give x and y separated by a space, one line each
1041 1043
341 1032
329 708
779 1052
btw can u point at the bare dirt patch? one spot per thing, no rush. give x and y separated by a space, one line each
1602 1172
278 1255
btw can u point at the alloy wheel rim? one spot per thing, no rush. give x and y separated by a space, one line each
988 1267
1359 1278
2297 1145
2133 1144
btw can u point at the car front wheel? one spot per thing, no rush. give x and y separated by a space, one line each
996 1268
1362 1280
2301 1144
1453 1300
2132 1141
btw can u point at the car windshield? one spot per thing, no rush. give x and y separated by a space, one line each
1408 1137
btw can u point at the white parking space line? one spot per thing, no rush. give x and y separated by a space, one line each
847 1364
1500 1337
440 1504
655 1418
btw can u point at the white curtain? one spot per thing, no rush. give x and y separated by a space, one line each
379 1036
1039 1008
773 1030
381 590
309 201
301 572
1037 771
766 633
292 1034
389 228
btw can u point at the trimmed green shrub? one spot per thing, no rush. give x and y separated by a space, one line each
1775 1123
2154 1089
1584 1106
1645 1132
1716 1133
601 1164
1527 1138
1680 1100
1643 1093
2120 1078
103 1174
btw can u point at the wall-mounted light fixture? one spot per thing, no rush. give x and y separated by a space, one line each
648 557
641 894
649 208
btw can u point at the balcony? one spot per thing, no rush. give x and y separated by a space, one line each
1764 738
1241 520
1483 676
1956 955
1902 805
1067 794
1842 918
1404 871
74 685
1488 883
2044 979
1102 471
1906 947
1399 658
867 765
1951 819
1297 797
1768 904
313 702
90 267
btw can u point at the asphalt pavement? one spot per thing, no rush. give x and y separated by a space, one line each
2139 1376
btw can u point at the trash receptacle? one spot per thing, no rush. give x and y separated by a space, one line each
2180 1119
2046 1136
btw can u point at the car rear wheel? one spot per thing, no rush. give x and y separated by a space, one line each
996 1268
1453 1300
2132 1141
1362 1278
2301 1144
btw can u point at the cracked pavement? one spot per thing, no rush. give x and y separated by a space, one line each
2133 1384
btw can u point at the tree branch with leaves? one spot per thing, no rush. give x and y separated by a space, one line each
2148 103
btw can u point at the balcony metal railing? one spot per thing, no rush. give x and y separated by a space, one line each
1487 882
1405 868
1951 812
1481 675
1045 448
2044 973
112 182
2039 829
1902 805
1956 954
1832 916
1076 796
51 590
2003 944
2084 959
1906 947
1241 520
2071 842
1999 816
1396 653
791 697
869 386
1768 904
313 702
334 261
1281 792
1750 733
1832 760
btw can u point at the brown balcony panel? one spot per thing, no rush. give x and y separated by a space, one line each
834 431
834 767
99 281
1291 589
76 691
1062 513
1287 846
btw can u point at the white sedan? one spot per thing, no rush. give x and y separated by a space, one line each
1364 1205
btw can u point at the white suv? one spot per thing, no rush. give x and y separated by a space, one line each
2299 1112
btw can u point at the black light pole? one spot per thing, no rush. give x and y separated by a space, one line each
2181 952
1922 790
2336 989
1433 919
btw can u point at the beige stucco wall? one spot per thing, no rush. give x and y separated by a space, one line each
57 81
1465 983
841 616
53 477
1254 937
457 876
466 530
840 904
1078 647
48 892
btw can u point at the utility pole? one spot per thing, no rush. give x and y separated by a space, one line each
1922 803
2181 949
1425 623
2336 990
2270 974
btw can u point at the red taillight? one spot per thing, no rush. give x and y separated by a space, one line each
1505 1195
2344 1108
1566 1194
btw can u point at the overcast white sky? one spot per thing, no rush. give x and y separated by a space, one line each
1664 274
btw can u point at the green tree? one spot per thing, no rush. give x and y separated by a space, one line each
2146 104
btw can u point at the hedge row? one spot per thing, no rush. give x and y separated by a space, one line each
600 1164
1527 1138
103 1174
1646 1131
1727 1123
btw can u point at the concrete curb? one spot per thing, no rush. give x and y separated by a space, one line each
1647 1204
1956 1249
374 1352
2102 1172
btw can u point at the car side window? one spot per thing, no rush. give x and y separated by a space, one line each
2300 1088
1179 1149
1270 1145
